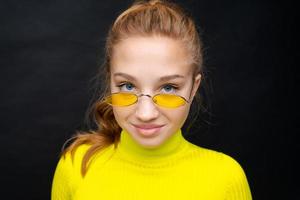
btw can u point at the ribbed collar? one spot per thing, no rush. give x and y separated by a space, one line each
132 150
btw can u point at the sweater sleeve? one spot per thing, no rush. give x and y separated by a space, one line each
67 175
238 187
61 184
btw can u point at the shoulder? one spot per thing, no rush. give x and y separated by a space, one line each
222 169
215 160
70 162
67 174
75 156
73 160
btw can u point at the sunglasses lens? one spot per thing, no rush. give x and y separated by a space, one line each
121 99
169 100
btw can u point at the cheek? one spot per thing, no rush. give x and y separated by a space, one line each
179 115
121 114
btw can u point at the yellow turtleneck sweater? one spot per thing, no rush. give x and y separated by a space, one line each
177 169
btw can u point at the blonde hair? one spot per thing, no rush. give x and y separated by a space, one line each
143 18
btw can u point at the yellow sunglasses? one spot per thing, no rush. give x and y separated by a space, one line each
163 100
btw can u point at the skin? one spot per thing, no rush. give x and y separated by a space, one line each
137 65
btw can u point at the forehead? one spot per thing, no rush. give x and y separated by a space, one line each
150 57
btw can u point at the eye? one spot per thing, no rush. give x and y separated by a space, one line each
126 86
169 88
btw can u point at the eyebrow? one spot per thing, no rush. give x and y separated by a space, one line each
127 76
170 77
163 78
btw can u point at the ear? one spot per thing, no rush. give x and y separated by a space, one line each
197 81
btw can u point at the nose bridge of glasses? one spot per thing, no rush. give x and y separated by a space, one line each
147 95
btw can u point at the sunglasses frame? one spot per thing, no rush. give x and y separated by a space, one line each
140 95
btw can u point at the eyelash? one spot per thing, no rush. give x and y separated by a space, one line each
175 87
123 84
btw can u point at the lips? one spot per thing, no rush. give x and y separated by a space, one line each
148 130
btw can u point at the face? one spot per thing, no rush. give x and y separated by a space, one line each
152 65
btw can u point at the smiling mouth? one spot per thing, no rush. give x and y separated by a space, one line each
148 130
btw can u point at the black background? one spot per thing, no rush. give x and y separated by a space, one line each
50 50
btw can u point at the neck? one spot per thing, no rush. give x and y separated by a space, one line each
170 147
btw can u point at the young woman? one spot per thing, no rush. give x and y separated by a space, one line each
153 69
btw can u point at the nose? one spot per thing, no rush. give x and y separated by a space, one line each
146 110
